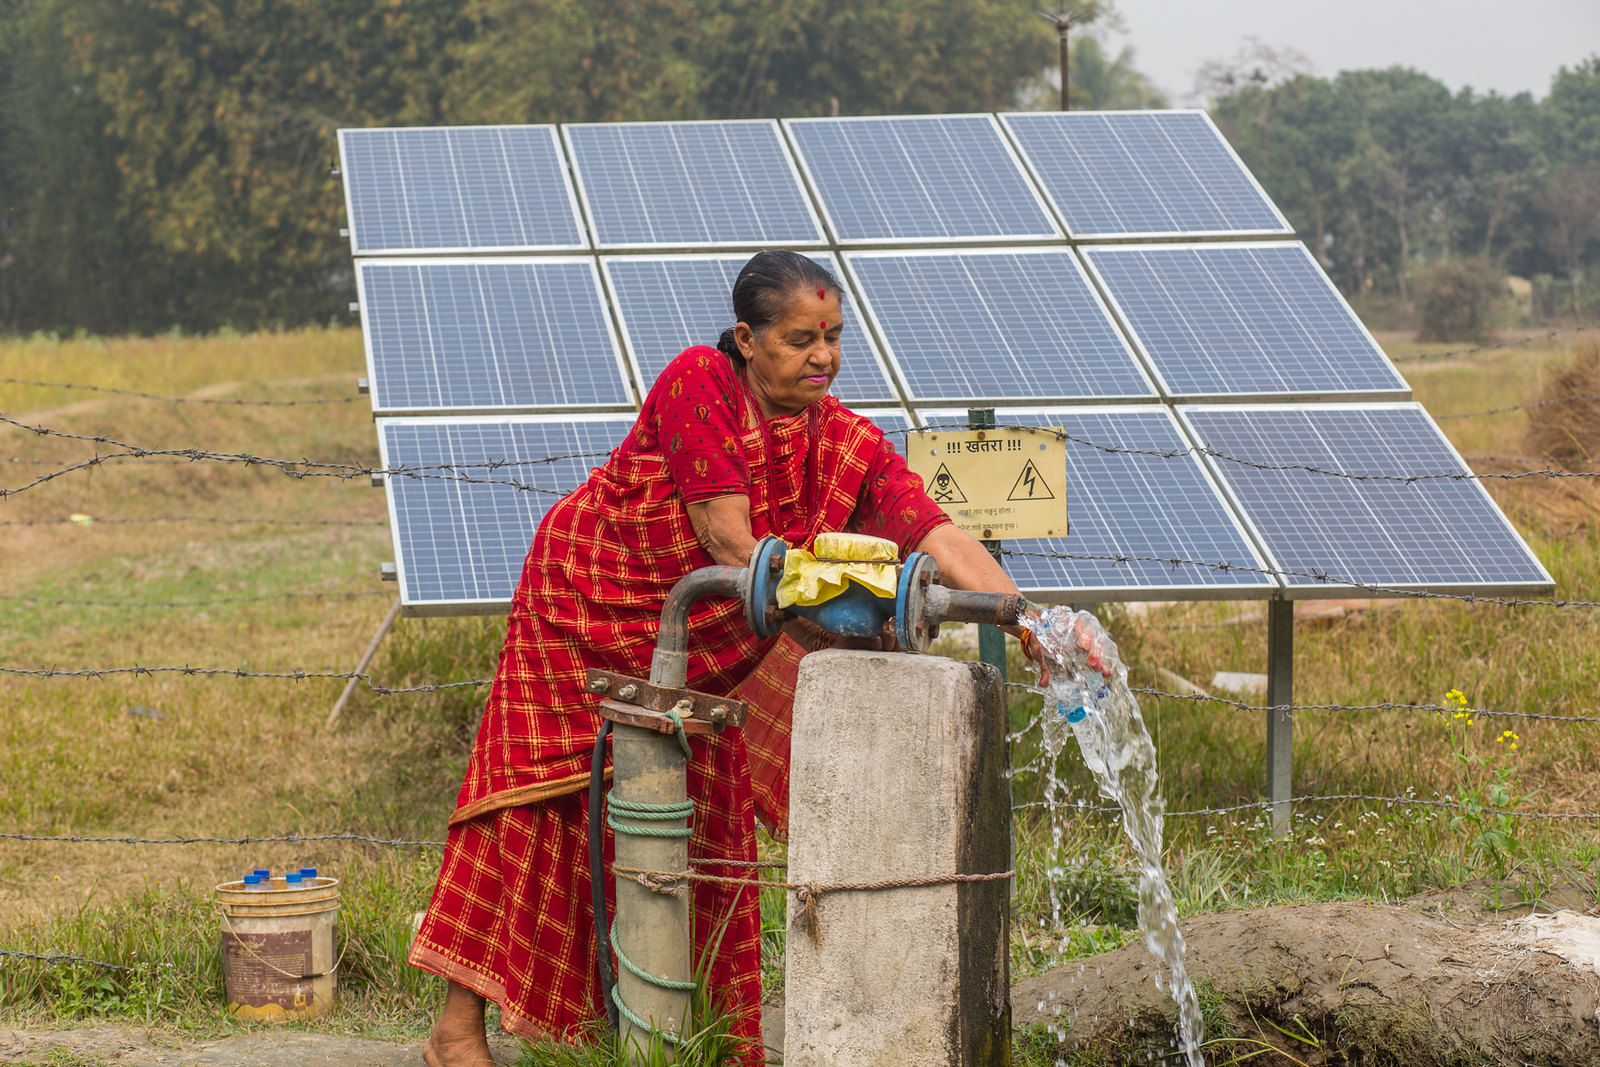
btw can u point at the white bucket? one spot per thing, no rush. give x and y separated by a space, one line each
278 961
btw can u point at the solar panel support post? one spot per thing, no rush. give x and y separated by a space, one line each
1280 720
992 639
366 660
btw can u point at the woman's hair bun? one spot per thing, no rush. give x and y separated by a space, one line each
727 344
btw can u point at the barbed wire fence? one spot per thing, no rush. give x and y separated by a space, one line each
470 473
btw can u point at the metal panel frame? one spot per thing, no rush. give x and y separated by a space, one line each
482 605
1056 235
506 409
915 401
1155 235
830 258
1292 589
592 231
566 178
1085 252
1263 587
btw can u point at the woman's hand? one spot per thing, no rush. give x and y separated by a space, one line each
965 564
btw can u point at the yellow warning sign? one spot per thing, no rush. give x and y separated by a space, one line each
996 484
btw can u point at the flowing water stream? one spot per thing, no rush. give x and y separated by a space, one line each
1101 714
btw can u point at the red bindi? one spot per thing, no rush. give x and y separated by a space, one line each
821 295
824 324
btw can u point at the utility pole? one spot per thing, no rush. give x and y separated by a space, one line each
1066 16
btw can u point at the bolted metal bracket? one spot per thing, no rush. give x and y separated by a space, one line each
637 702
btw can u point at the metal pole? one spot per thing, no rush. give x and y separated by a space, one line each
1280 720
1062 26
652 929
992 639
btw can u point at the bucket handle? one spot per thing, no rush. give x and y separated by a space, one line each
227 927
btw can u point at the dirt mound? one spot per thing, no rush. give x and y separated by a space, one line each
1567 427
1341 984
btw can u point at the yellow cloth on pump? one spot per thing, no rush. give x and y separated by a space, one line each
840 558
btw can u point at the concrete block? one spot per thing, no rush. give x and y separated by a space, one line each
898 770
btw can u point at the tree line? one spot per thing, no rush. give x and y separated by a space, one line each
1388 175
166 162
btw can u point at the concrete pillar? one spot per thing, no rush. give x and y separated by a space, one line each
898 771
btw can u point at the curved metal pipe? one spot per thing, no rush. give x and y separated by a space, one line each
669 665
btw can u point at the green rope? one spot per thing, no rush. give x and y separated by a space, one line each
630 809
633 968
627 1013
683 735
640 812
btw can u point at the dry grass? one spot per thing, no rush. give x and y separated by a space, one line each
1568 428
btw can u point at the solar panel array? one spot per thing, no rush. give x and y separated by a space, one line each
461 189
919 178
1142 174
1379 527
460 542
464 334
1232 320
1012 325
691 184
521 287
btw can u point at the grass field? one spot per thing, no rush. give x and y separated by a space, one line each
173 755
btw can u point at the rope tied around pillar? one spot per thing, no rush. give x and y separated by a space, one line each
666 883
640 812
644 976
807 894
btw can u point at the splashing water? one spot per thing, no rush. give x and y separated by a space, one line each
1103 716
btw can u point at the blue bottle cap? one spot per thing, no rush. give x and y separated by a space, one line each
308 872
264 873
292 878
1077 714
252 879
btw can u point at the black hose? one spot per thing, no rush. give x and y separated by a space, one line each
597 874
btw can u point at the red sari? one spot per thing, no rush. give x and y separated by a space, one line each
510 917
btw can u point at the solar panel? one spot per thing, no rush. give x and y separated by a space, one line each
667 303
995 325
460 544
1235 320
504 334
1439 534
1142 174
458 189
919 178
1130 505
691 184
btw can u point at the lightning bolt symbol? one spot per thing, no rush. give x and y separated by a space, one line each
1027 478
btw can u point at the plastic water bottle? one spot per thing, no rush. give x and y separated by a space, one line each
1087 724
308 874
292 879
263 873
253 881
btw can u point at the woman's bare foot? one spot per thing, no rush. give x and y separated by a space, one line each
458 1038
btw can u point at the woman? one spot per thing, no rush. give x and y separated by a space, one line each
733 443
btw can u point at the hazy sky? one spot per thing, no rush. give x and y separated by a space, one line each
1508 47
